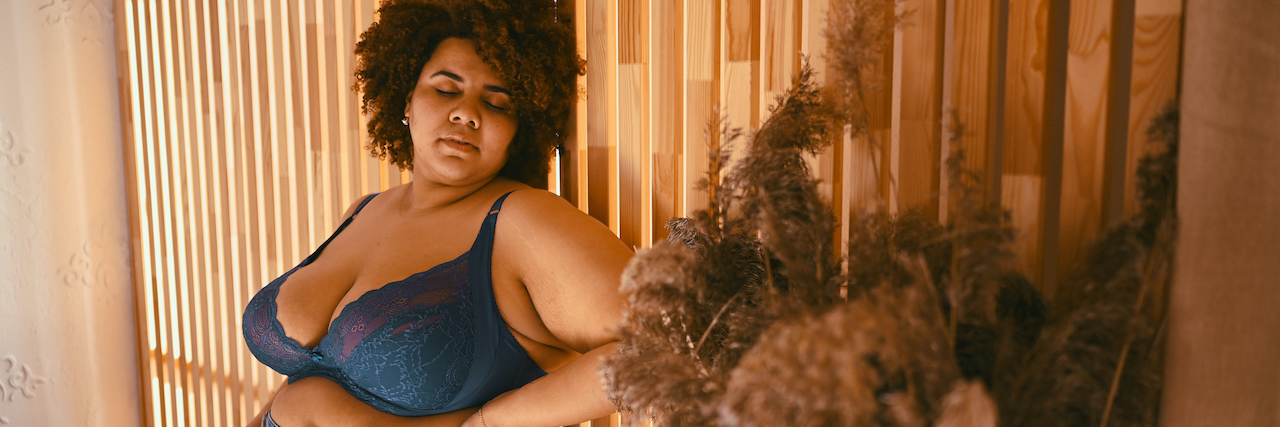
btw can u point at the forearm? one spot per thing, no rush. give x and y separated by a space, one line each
570 395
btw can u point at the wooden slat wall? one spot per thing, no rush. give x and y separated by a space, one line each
1049 98
245 146
246 143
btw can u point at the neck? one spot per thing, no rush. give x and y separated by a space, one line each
423 197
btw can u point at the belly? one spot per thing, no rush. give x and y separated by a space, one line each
319 402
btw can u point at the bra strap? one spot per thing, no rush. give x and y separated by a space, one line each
311 258
497 206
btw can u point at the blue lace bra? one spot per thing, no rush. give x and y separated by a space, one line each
431 343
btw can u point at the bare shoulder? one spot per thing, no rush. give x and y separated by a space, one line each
351 209
533 203
569 262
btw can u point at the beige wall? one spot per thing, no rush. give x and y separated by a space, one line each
1224 333
68 352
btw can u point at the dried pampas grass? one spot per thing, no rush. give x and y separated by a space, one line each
697 303
743 318
858 32
1095 363
879 360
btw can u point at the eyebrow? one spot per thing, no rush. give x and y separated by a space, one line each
459 79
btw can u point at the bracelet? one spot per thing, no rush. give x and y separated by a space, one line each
481 414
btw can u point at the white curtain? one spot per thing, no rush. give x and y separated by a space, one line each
68 346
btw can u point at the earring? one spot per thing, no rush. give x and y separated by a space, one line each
405 120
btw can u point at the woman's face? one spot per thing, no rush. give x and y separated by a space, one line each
460 117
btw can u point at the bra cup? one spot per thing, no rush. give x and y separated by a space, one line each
429 344
409 344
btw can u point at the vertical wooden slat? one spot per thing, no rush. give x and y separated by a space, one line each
1157 37
666 110
602 125
878 92
573 182
1117 133
1084 132
918 83
163 69
701 75
779 51
304 182
976 49
347 127
194 194
218 342
209 244
250 191
830 165
229 204
1055 88
326 150
1024 106
177 221
134 135
634 177
739 63
1154 87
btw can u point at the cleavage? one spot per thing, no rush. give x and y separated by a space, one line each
329 285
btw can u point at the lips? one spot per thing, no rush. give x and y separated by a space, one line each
457 143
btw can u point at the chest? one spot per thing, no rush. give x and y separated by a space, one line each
368 263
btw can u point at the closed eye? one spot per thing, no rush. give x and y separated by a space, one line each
445 92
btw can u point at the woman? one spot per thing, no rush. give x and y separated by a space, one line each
466 296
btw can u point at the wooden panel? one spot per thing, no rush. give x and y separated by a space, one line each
602 148
573 182
917 84
976 39
829 165
634 170
878 90
1157 35
972 85
1118 93
1084 133
740 63
701 92
1023 127
231 114
779 50
1157 39
667 111
1055 85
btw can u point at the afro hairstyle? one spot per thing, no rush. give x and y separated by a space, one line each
530 47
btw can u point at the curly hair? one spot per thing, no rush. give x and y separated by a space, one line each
531 50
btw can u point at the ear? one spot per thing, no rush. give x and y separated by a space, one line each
408 103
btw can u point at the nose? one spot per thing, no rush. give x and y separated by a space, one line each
465 113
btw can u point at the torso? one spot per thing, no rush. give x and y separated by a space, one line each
382 246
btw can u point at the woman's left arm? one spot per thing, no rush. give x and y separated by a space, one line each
571 265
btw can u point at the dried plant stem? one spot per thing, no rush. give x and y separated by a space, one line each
1115 380
1148 276
715 320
